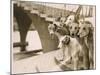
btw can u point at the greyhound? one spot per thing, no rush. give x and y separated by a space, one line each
70 47
86 33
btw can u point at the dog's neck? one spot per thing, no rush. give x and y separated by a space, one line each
59 36
86 40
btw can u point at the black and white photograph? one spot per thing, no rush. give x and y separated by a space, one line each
52 37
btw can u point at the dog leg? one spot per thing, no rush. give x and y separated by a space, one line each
75 62
91 59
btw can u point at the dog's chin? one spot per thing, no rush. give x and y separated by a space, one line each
82 36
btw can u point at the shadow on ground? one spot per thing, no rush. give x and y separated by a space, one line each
25 54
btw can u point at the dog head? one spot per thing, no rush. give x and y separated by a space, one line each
52 28
73 29
65 40
85 29
70 19
63 19
81 20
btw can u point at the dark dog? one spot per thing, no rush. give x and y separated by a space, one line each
86 33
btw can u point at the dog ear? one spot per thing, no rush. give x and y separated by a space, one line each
91 32
66 40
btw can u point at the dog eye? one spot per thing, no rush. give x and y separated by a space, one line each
64 24
54 24
70 19
84 28
75 27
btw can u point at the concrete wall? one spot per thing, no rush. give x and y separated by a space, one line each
42 27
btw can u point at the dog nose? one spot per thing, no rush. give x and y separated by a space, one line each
78 35
72 34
